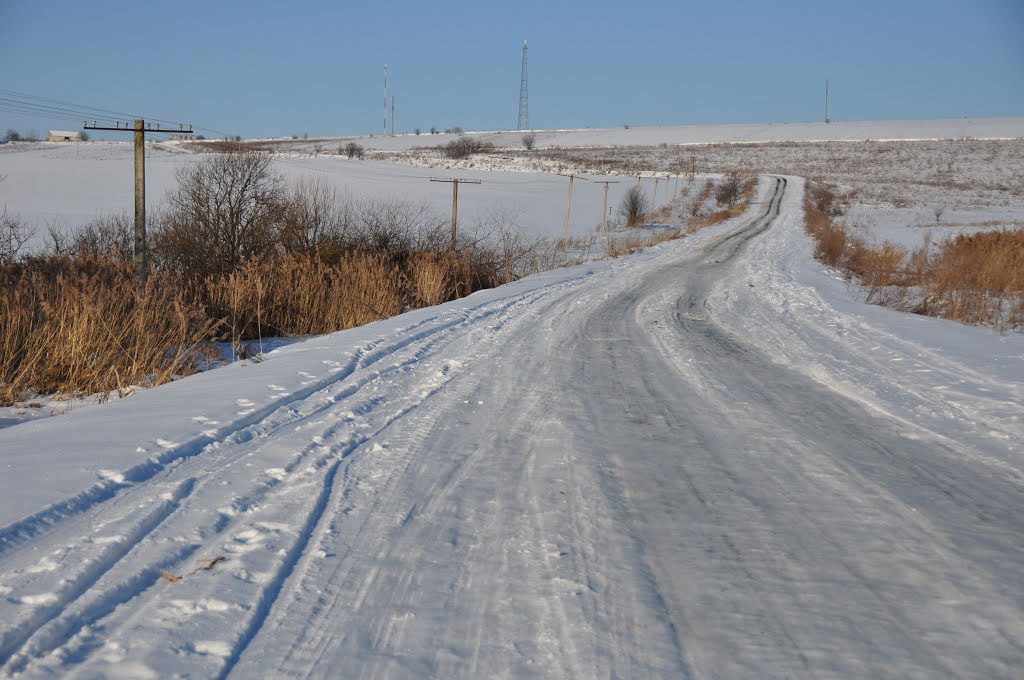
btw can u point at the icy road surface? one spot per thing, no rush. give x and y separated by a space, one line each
581 475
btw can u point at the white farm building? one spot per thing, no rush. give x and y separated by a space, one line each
63 136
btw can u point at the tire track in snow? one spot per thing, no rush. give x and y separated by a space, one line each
433 339
17 533
71 590
373 502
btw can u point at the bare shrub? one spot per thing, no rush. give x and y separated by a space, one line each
529 140
313 222
353 150
728 191
14 234
634 207
227 209
111 237
464 147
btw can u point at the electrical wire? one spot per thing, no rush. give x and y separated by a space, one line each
56 109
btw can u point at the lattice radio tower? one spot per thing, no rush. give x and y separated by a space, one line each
524 100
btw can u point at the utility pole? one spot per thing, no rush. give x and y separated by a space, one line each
140 129
392 115
455 182
604 210
568 207
654 203
385 132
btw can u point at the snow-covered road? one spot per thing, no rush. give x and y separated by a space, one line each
588 473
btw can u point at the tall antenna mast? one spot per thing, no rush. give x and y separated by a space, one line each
826 102
524 103
385 99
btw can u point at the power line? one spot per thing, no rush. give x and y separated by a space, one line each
60 109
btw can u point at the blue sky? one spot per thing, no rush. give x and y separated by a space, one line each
281 68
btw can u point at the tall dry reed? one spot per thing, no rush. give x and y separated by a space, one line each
86 328
971 278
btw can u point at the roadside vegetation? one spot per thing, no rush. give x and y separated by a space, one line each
236 255
971 278
687 213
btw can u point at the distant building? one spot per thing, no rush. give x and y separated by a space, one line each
63 136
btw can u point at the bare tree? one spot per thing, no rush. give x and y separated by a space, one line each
111 236
14 234
313 221
634 207
529 140
226 209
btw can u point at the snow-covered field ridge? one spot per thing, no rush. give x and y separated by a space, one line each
704 460
743 133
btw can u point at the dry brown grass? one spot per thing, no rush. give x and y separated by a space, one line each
631 244
974 279
84 327
301 295
433 278
745 191
978 278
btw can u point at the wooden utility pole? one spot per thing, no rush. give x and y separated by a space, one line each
455 182
568 207
604 210
654 203
140 129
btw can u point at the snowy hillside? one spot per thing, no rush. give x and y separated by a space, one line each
703 460
955 128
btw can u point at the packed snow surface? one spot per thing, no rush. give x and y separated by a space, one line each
704 460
